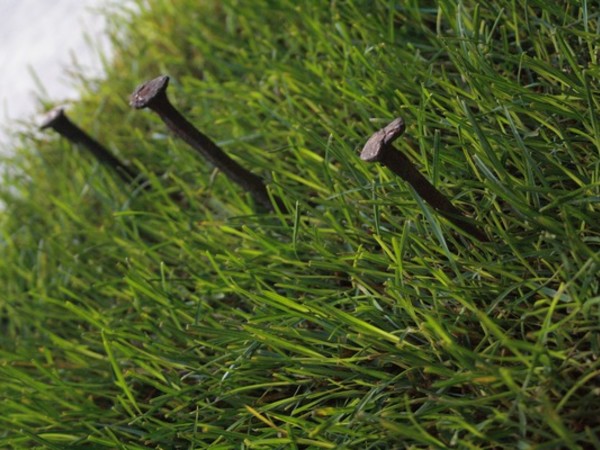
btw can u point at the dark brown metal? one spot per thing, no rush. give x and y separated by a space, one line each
153 95
57 120
379 148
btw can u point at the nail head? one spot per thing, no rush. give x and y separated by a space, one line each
149 91
373 149
52 117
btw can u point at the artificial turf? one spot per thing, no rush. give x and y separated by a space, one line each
183 316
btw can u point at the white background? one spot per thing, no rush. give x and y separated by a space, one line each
45 36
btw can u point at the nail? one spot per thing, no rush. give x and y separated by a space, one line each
379 148
59 122
153 95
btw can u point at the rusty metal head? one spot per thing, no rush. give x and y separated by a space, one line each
380 141
146 94
53 118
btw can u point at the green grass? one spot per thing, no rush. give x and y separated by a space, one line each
361 319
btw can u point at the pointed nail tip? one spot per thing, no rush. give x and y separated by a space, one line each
146 92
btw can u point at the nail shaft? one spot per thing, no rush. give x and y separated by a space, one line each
152 94
59 122
379 148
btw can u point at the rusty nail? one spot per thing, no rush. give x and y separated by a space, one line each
379 148
59 122
153 95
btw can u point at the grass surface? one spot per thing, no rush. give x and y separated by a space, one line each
360 319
